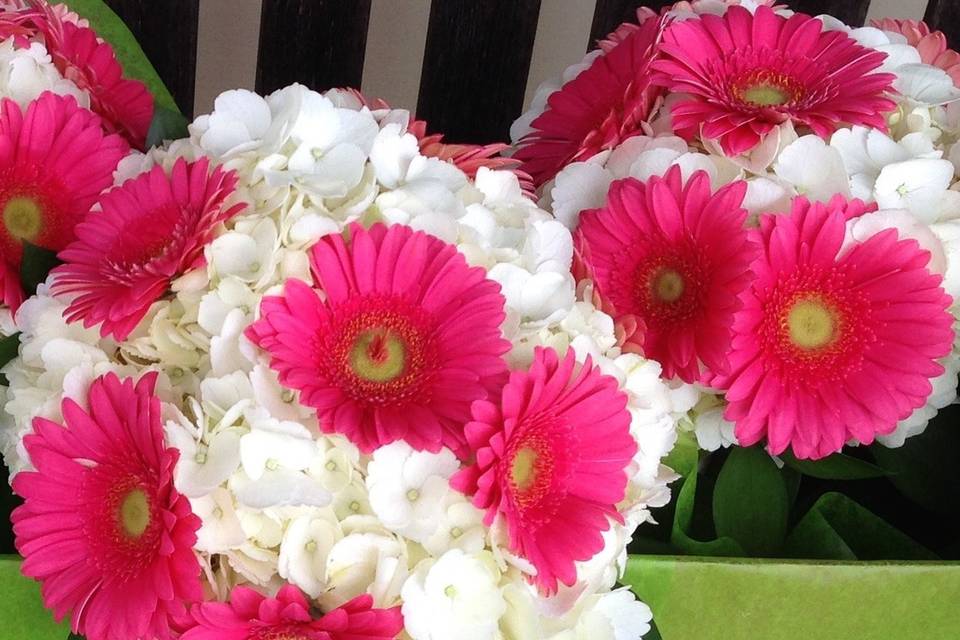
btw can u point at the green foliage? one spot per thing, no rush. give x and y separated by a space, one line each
131 56
751 503
166 125
835 467
682 537
36 266
926 469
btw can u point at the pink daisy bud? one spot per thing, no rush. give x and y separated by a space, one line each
102 526
835 342
396 342
54 162
250 615
151 230
747 73
550 460
677 257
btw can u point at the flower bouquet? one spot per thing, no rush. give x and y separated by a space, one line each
300 370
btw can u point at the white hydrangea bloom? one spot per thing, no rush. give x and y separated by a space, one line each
26 72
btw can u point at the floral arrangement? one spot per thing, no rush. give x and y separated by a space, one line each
303 370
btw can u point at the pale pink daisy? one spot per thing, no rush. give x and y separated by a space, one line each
102 527
397 340
675 256
931 44
550 460
151 230
744 74
834 343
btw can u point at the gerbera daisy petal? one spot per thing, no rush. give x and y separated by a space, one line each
378 355
745 73
149 231
675 256
103 528
598 109
817 359
550 460
54 162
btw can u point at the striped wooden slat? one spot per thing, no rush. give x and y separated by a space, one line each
945 16
609 14
852 12
319 43
475 67
167 31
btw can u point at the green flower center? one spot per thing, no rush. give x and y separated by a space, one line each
668 285
135 513
523 472
23 218
811 324
766 95
378 355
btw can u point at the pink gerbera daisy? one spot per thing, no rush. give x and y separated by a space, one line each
250 615
676 257
125 105
54 162
834 342
932 45
550 459
403 338
747 73
598 109
151 230
102 527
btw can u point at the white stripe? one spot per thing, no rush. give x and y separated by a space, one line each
228 38
563 34
396 39
901 9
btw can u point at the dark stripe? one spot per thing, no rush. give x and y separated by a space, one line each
852 12
945 16
475 67
167 31
319 43
609 14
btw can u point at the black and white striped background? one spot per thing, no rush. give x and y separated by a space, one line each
468 67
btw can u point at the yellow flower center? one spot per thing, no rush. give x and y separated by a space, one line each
135 513
23 218
524 468
811 324
766 95
668 285
378 355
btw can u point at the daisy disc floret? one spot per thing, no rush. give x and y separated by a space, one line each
54 162
833 343
550 461
746 73
150 230
102 527
676 256
396 342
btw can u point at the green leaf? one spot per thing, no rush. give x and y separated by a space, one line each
835 467
684 455
21 608
9 348
750 502
925 469
166 125
742 599
837 528
128 51
680 536
35 266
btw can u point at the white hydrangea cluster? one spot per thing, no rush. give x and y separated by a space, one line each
911 174
278 501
